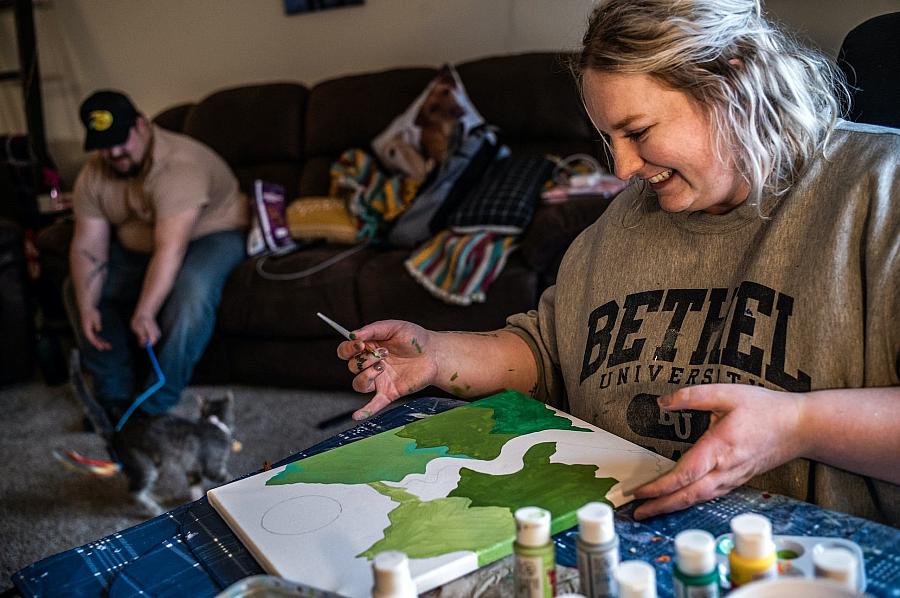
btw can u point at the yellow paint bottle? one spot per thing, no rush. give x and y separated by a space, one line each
753 556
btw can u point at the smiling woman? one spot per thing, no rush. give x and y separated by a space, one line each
744 323
663 137
766 102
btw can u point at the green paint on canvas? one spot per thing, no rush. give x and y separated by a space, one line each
519 414
463 431
385 456
480 430
558 487
444 525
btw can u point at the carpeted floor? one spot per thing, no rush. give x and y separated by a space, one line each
46 509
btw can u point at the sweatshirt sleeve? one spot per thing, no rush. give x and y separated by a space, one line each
882 271
538 329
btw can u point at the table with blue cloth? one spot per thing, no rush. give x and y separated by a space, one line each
190 551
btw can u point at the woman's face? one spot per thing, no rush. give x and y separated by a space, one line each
662 136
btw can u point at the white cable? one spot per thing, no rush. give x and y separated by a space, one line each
309 271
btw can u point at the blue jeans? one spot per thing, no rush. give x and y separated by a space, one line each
186 321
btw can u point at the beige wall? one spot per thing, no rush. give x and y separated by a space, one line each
168 51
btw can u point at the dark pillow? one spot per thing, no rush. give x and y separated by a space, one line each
504 199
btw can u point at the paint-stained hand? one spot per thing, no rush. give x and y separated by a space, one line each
92 326
392 358
751 431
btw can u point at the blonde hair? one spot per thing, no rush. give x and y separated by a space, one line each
772 101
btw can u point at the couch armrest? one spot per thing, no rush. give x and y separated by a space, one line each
553 229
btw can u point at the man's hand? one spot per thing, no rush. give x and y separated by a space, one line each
752 430
391 357
144 326
92 326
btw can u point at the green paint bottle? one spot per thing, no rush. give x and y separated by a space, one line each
534 554
694 573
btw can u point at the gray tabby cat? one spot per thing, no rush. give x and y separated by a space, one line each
147 443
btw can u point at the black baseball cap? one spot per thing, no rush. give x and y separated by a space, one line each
107 115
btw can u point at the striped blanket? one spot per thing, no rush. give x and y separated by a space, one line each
378 198
459 268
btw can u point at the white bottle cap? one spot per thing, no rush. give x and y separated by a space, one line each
752 536
695 552
595 523
636 579
532 526
392 577
837 563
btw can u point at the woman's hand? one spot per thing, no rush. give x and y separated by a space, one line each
391 357
752 430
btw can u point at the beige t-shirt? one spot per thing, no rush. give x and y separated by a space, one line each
647 302
182 173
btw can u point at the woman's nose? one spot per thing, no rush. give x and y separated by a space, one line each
627 161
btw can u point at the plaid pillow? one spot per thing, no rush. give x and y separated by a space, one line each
504 199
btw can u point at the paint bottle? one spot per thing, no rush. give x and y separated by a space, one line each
392 576
636 579
694 573
534 554
836 563
598 550
753 556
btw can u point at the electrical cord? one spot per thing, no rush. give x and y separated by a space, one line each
308 271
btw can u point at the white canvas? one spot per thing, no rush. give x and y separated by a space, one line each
450 482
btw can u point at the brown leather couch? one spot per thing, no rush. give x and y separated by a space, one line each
267 331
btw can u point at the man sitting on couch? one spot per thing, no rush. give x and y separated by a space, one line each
159 225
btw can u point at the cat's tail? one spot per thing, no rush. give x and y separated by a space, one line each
92 409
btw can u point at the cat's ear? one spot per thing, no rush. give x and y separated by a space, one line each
202 404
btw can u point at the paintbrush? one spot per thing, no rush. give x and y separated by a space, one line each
345 333
341 330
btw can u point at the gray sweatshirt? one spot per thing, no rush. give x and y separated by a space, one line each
806 299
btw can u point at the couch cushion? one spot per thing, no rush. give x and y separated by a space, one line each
173 118
529 96
253 125
255 306
286 174
350 111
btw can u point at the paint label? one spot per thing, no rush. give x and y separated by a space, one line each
595 570
535 577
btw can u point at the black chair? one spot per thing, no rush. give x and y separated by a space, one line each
870 58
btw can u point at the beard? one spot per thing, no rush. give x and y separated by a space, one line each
133 169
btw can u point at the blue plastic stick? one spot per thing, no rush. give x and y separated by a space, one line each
160 380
